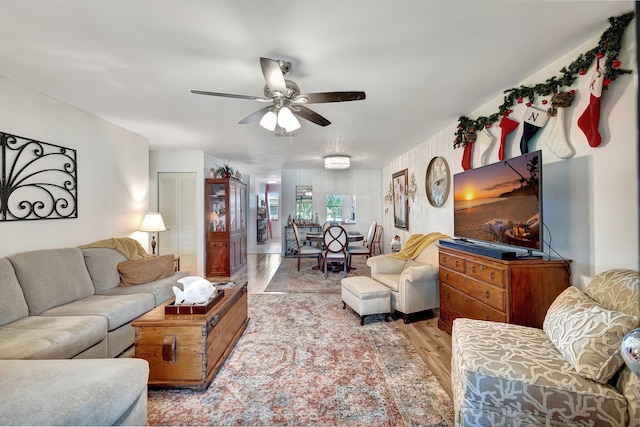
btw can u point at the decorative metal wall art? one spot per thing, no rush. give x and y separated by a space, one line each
38 180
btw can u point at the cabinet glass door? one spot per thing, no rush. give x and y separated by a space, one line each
217 207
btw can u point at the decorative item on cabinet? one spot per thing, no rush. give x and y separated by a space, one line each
226 236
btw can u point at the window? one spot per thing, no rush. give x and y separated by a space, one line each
274 202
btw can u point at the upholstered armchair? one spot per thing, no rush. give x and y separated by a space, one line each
413 282
568 373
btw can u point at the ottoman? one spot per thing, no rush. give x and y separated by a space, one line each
366 297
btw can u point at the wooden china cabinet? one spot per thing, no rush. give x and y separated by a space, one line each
226 225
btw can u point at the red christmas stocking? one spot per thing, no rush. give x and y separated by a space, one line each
590 119
507 126
466 155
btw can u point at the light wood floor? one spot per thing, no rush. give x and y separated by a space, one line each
432 344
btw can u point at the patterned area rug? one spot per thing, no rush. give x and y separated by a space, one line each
309 278
303 360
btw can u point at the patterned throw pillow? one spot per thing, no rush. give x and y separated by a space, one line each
586 334
145 270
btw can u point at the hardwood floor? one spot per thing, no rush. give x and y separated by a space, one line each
432 344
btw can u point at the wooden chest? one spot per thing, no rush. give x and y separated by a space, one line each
186 350
484 288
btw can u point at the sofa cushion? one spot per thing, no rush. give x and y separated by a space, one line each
117 309
12 303
161 289
74 392
506 374
617 290
588 335
390 280
52 277
102 264
39 337
146 270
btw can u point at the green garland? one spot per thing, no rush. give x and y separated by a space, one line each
609 46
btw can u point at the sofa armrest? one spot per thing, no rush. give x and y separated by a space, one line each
385 264
419 274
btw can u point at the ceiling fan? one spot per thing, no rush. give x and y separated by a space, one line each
286 100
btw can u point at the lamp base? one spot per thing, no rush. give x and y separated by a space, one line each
153 245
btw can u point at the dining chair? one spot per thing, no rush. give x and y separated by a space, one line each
377 240
306 251
335 242
366 249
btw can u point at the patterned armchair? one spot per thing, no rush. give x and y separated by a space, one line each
569 373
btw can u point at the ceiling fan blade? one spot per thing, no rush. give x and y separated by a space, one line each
322 97
273 75
255 116
310 115
230 95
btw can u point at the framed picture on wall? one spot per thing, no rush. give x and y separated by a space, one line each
400 200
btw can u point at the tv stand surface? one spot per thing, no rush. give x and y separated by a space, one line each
480 249
512 291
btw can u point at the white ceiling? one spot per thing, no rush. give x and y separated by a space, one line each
422 64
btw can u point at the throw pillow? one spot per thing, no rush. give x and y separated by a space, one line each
145 270
586 334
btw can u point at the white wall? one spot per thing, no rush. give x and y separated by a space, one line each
112 172
363 183
590 200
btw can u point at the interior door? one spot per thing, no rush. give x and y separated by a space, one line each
177 204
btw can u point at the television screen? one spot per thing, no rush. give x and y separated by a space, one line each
501 202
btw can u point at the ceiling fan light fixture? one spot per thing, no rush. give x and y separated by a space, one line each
337 161
287 120
269 121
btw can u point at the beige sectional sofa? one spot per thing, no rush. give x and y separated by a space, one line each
569 373
67 304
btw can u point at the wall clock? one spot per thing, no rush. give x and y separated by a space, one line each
438 181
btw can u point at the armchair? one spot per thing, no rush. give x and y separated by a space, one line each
411 275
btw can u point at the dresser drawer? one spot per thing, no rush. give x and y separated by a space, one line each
451 261
485 273
469 307
448 315
490 295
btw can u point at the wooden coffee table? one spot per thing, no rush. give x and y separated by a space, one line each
187 350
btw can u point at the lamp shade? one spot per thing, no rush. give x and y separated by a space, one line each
287 120
337 162
152 222
269 120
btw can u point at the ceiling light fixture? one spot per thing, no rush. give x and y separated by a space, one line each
337 161
287 120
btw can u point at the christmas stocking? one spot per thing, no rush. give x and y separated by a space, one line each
468 138
534 120
556 137
507 126
590 119
484 142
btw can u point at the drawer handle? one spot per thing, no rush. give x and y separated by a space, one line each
487 318
446 275
473 268
447 316
170 349
456 263
486 294
491 275
465 299
211 323
447 295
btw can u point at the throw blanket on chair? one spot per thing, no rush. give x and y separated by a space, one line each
416 243
130 248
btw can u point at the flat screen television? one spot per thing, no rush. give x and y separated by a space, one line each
501 203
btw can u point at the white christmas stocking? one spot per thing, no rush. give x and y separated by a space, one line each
556 137
484 143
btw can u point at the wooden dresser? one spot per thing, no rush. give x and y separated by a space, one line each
186 350
480 287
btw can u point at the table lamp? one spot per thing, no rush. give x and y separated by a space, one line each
152 223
